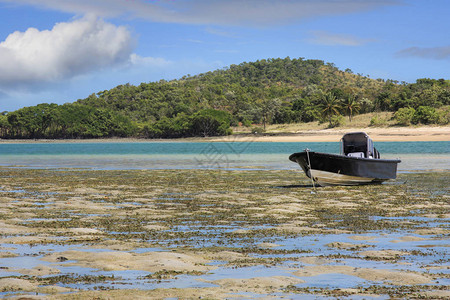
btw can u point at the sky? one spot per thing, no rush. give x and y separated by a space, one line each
59 51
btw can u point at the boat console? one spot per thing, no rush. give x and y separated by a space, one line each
358 144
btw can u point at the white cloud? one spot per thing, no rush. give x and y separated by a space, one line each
333 39
438 53
65 51
218 12
157 62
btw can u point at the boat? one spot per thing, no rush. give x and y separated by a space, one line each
358 163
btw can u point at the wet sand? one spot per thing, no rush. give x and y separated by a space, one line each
384 134
77 234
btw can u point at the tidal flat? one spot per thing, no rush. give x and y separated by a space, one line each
214 234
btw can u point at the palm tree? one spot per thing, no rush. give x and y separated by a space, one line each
268 107
351 105
329 106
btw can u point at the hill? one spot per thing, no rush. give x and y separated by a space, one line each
238 90
263 92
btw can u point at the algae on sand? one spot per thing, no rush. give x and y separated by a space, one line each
202 230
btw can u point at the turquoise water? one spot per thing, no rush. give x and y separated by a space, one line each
190 155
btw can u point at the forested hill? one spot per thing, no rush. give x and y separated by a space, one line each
239 90
266 91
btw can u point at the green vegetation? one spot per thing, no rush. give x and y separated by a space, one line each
66 121
272 91
404 115
350 105
329 107
206 122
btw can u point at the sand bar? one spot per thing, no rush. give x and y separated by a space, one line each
385 134
390 134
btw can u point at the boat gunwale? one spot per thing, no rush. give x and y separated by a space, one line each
344 157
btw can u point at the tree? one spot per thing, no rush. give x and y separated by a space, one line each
329 106
351 105
206 122
210 122
4 125
268 107
33 121
404 115
308 112
425 115
383 101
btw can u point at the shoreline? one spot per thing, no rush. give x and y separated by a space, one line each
392 134
378 134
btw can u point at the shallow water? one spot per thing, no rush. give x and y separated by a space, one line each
30 257
216 155
252 214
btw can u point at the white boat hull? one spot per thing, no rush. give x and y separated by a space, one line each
324 178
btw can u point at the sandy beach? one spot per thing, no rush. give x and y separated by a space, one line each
378 134
390 134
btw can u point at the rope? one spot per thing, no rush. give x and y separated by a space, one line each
309 165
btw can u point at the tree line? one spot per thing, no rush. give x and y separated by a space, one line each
64 121
75 121
262 92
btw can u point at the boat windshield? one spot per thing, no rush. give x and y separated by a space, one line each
358 144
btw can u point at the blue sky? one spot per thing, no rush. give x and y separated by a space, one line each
58 51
